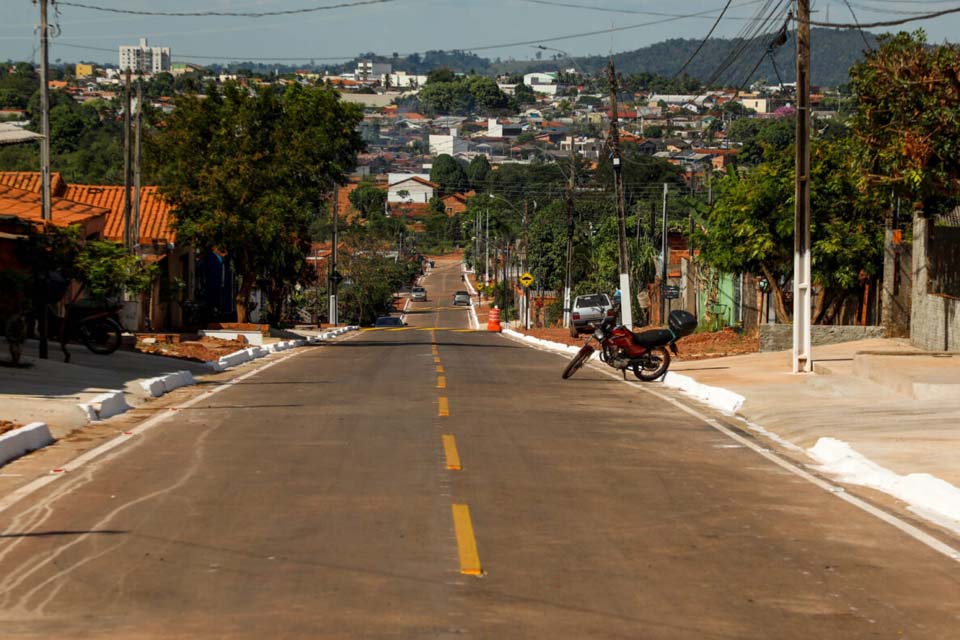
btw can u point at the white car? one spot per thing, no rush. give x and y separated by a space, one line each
418 294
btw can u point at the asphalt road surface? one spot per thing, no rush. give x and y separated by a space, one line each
435 482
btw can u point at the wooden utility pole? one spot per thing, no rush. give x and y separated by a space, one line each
45 196
802 276
137 144
626 309
127 153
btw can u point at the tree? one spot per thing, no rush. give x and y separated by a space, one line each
449 174
477 172
750 226
906 128
246 173
367 198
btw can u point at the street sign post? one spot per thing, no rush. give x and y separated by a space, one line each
526 279
671 292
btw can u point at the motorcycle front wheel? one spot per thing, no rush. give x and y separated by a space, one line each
652 365
101 335
577 361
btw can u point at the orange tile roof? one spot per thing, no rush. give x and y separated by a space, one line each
27 205
155 219
30 181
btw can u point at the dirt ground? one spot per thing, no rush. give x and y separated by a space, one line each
712 344
6 425
201 350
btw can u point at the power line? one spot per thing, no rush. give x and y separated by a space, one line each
885 23
704 41
857 22
231 14
570 5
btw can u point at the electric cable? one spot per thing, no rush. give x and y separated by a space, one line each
704 41
885 23
857 22
230 14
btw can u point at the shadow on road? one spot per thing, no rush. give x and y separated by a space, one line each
50 534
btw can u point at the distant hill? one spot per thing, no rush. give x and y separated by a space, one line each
833 51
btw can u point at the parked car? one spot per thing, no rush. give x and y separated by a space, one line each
587 311
418 294
389 321
461 297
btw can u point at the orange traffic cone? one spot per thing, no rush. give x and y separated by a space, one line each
493 320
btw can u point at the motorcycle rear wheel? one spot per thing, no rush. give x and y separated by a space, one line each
101 335
652 365
577 361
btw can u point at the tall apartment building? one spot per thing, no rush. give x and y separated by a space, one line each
144 58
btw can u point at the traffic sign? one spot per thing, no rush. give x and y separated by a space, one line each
671 292
526 279
336 277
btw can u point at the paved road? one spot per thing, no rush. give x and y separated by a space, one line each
314 500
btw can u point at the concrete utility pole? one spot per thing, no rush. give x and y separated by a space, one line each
137 152
626 309
568 284
802 276
486 249
45 197
665 252
127 153
334 316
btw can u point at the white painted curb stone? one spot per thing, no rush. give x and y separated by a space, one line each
160 385
14 444
105 405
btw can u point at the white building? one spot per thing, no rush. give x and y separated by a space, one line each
545 83
404 80
451 144
410 187
367 70
760 105
144 58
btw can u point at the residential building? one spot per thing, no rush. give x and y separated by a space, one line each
760 105
500 129
144 58
545 83
410 188
404 80
451 144
370 71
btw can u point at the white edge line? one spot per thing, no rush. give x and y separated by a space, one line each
836 490
22 492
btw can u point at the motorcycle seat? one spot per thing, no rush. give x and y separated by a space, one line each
653 338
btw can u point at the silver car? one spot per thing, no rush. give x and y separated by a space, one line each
589 310
461 297
418 294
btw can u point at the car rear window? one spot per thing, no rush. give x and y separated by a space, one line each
418 289
593 301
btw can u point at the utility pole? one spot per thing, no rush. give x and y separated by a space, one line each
137 143
486 249
802 276
334 316
127 153
665 252
568 284
45 196
523 266
626 310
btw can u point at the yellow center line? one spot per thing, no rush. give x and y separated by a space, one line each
436 359
441 382
439 368
450 450
466 542
443 408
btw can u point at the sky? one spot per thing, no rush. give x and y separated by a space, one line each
407 26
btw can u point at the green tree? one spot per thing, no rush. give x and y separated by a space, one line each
906 125
448 173
246 172
477 172
368 199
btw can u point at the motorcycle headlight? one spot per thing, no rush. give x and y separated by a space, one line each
598 333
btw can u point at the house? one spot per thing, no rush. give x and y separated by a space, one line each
450 144
582 145
410 188
542 82
404 80
503 128
27 205
370 71
456 203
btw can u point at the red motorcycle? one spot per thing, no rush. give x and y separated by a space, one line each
644 353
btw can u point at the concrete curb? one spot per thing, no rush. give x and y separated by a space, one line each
105 405
14 444
715 397
474 321
160 385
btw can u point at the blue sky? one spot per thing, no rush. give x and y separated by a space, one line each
403 26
